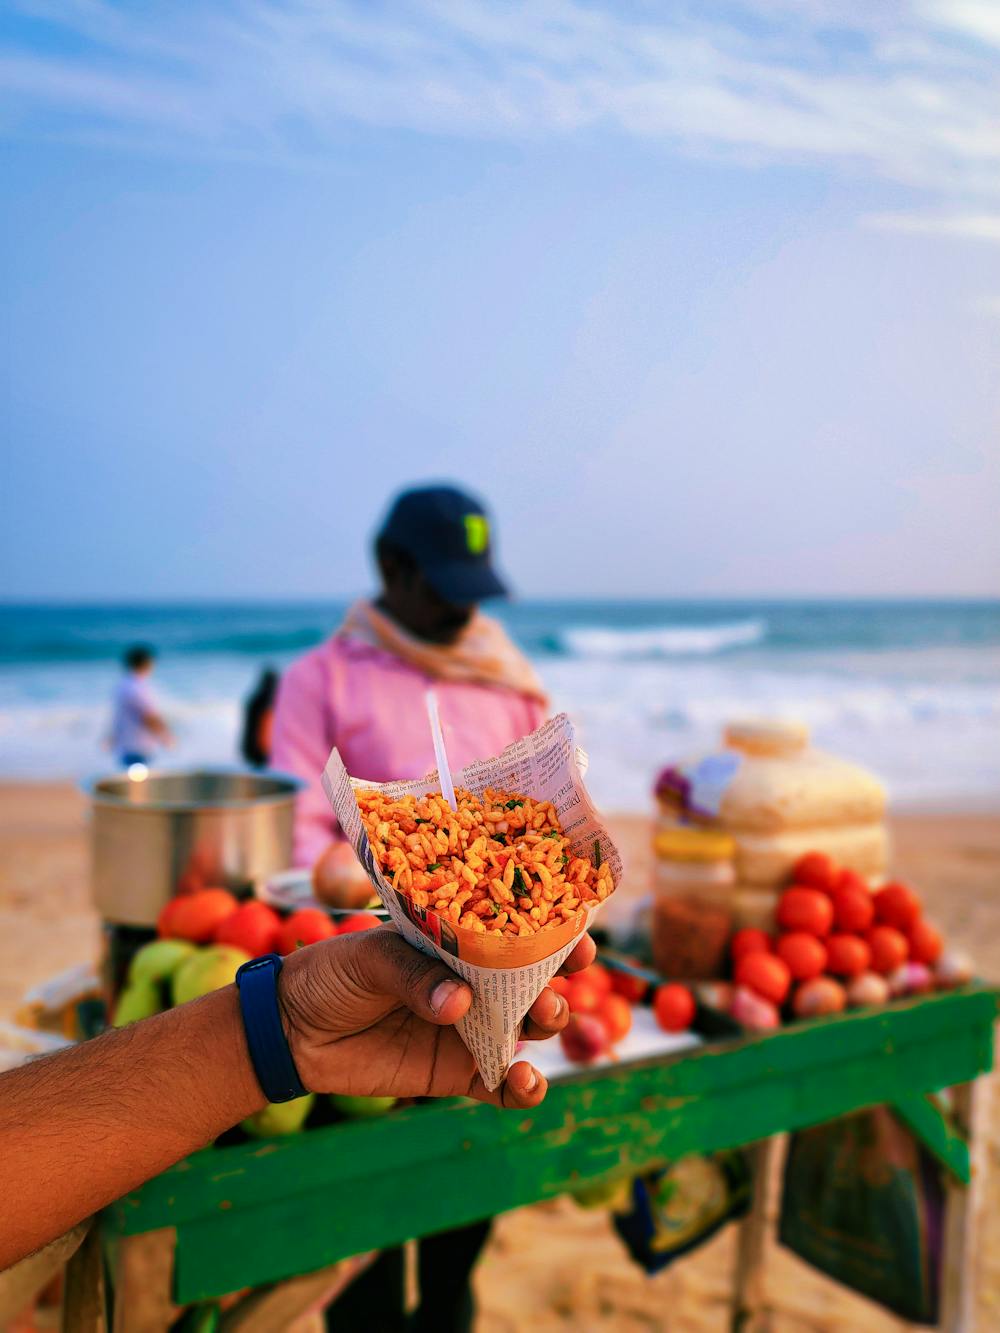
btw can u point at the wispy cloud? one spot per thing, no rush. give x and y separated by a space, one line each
975 226
910 96
979 19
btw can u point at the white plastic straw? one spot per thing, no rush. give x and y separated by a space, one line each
440 754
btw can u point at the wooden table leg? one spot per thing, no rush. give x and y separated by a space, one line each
84 1309
143 1282
21 1283
278 1307
963 1205
749 1308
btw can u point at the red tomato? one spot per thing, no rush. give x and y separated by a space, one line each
850 879
805 909
359 921
896 905
889 949
815 870
629 987
583 998
562 986
848 955
596 975
674 1007
764 974
165 920
749 940
615 1013
853 909
306 926
926 943
803 954
197 916
253 927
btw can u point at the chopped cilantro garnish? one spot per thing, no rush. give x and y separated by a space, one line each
435 866
500 837
518 879
421 821
564 859
512 805
552 833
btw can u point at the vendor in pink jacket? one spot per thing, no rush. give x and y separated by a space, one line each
363 689
363 692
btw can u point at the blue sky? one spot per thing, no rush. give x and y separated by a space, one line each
704 299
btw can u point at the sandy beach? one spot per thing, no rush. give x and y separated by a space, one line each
555 1260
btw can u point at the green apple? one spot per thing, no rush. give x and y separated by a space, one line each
139 999
159 960
202 1318
365 1108
280 1117
612 1194
207 970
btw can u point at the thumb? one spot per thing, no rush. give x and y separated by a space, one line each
386 965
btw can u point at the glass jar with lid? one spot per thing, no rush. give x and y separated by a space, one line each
693 901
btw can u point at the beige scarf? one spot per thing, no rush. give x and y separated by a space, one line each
482 654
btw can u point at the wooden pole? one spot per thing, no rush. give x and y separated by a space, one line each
749 1309
964 1203
279 1306
143 1282
84 1298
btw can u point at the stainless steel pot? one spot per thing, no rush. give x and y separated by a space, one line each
218 826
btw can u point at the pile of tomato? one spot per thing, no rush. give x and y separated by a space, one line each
837 944
601 1002
214 916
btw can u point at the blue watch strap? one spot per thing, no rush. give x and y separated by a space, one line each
272 1061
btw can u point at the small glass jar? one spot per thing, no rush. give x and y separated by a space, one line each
693 902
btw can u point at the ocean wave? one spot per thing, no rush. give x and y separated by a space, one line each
661 641
80 649
931 738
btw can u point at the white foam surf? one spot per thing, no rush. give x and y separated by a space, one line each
661 641
928 721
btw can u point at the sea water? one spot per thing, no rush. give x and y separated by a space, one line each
909 688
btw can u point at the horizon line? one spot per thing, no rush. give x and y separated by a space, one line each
203 599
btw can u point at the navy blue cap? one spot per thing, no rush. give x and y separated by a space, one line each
447 534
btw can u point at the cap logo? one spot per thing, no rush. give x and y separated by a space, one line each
477 533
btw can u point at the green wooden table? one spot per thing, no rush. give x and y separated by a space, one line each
257 1213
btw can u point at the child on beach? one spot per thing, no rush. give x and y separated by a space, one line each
138 728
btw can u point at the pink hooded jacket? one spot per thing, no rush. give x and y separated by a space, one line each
370 705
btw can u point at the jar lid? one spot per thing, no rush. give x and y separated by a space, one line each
769 736
684 843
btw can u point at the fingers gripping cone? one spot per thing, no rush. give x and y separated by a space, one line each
505 974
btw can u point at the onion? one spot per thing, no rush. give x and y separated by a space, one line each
953 968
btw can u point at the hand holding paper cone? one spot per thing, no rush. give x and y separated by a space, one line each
503 906
367 1015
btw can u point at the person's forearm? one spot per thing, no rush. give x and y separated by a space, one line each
81 1128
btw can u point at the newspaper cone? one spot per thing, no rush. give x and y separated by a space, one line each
505 976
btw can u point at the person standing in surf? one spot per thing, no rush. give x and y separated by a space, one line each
138 728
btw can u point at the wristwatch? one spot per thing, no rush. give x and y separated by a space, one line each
257 982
